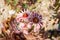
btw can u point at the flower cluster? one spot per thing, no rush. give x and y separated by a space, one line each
28 19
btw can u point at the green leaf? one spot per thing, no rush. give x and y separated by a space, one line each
15 2
17 9
8 1
24 5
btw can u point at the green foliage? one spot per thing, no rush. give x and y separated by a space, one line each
8 1
24 5
15 2
17 9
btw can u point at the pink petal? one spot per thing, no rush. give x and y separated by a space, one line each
25 31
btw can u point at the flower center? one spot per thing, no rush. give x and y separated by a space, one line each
25 15
35 20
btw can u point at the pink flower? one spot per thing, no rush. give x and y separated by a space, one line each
22 16
29 25
37 27
25 31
